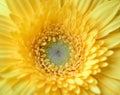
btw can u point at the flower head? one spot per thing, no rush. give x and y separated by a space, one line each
60 47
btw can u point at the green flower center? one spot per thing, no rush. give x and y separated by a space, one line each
58 53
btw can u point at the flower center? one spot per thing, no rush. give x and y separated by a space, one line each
58 53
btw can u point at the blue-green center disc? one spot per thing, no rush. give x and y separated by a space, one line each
58 53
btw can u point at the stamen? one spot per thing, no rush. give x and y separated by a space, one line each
58 52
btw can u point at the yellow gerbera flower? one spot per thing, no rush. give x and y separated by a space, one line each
59 47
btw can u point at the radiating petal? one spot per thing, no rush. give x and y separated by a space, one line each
6 24
108 85
84 5
21 8
111 27
113 69
104 16
112 39
35 4
90 29
3 8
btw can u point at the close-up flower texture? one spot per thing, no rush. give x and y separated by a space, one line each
59 47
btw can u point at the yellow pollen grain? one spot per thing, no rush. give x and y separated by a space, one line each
54 39
44 43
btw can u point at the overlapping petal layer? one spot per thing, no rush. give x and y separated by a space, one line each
93 24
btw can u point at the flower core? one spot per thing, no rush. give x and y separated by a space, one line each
58 52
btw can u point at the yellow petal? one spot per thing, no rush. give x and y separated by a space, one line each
117 46
84 5
102 14
6 24
10 73
112 39
106 91
111 27
95 3
5 88
3 8
35 4
14 86
113 69
110 84
20 85
23 8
